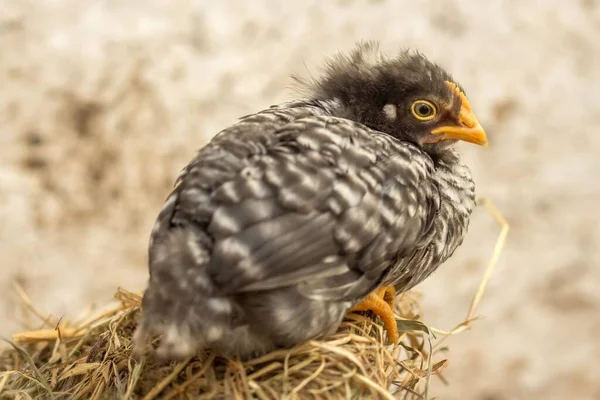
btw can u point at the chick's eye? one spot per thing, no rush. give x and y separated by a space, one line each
423 110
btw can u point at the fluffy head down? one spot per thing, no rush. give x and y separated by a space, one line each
406 96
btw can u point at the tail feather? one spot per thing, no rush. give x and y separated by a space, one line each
181 303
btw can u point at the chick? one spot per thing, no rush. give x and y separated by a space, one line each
297 214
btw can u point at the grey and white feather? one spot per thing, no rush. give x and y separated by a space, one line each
291 216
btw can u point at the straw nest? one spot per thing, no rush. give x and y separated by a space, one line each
91 359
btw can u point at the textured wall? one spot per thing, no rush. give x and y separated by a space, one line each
102 103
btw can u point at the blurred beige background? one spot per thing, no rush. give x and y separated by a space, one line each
103 102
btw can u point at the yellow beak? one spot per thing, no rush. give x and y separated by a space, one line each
469 128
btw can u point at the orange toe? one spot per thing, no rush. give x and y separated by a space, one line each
381 303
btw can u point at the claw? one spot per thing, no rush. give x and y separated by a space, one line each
381 303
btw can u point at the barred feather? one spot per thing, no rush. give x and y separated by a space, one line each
288 218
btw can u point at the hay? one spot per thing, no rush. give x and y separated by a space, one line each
92 359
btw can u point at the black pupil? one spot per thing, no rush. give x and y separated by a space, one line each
424 110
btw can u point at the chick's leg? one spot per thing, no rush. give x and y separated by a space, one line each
381 303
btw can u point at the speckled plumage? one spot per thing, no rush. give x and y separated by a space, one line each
291 216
